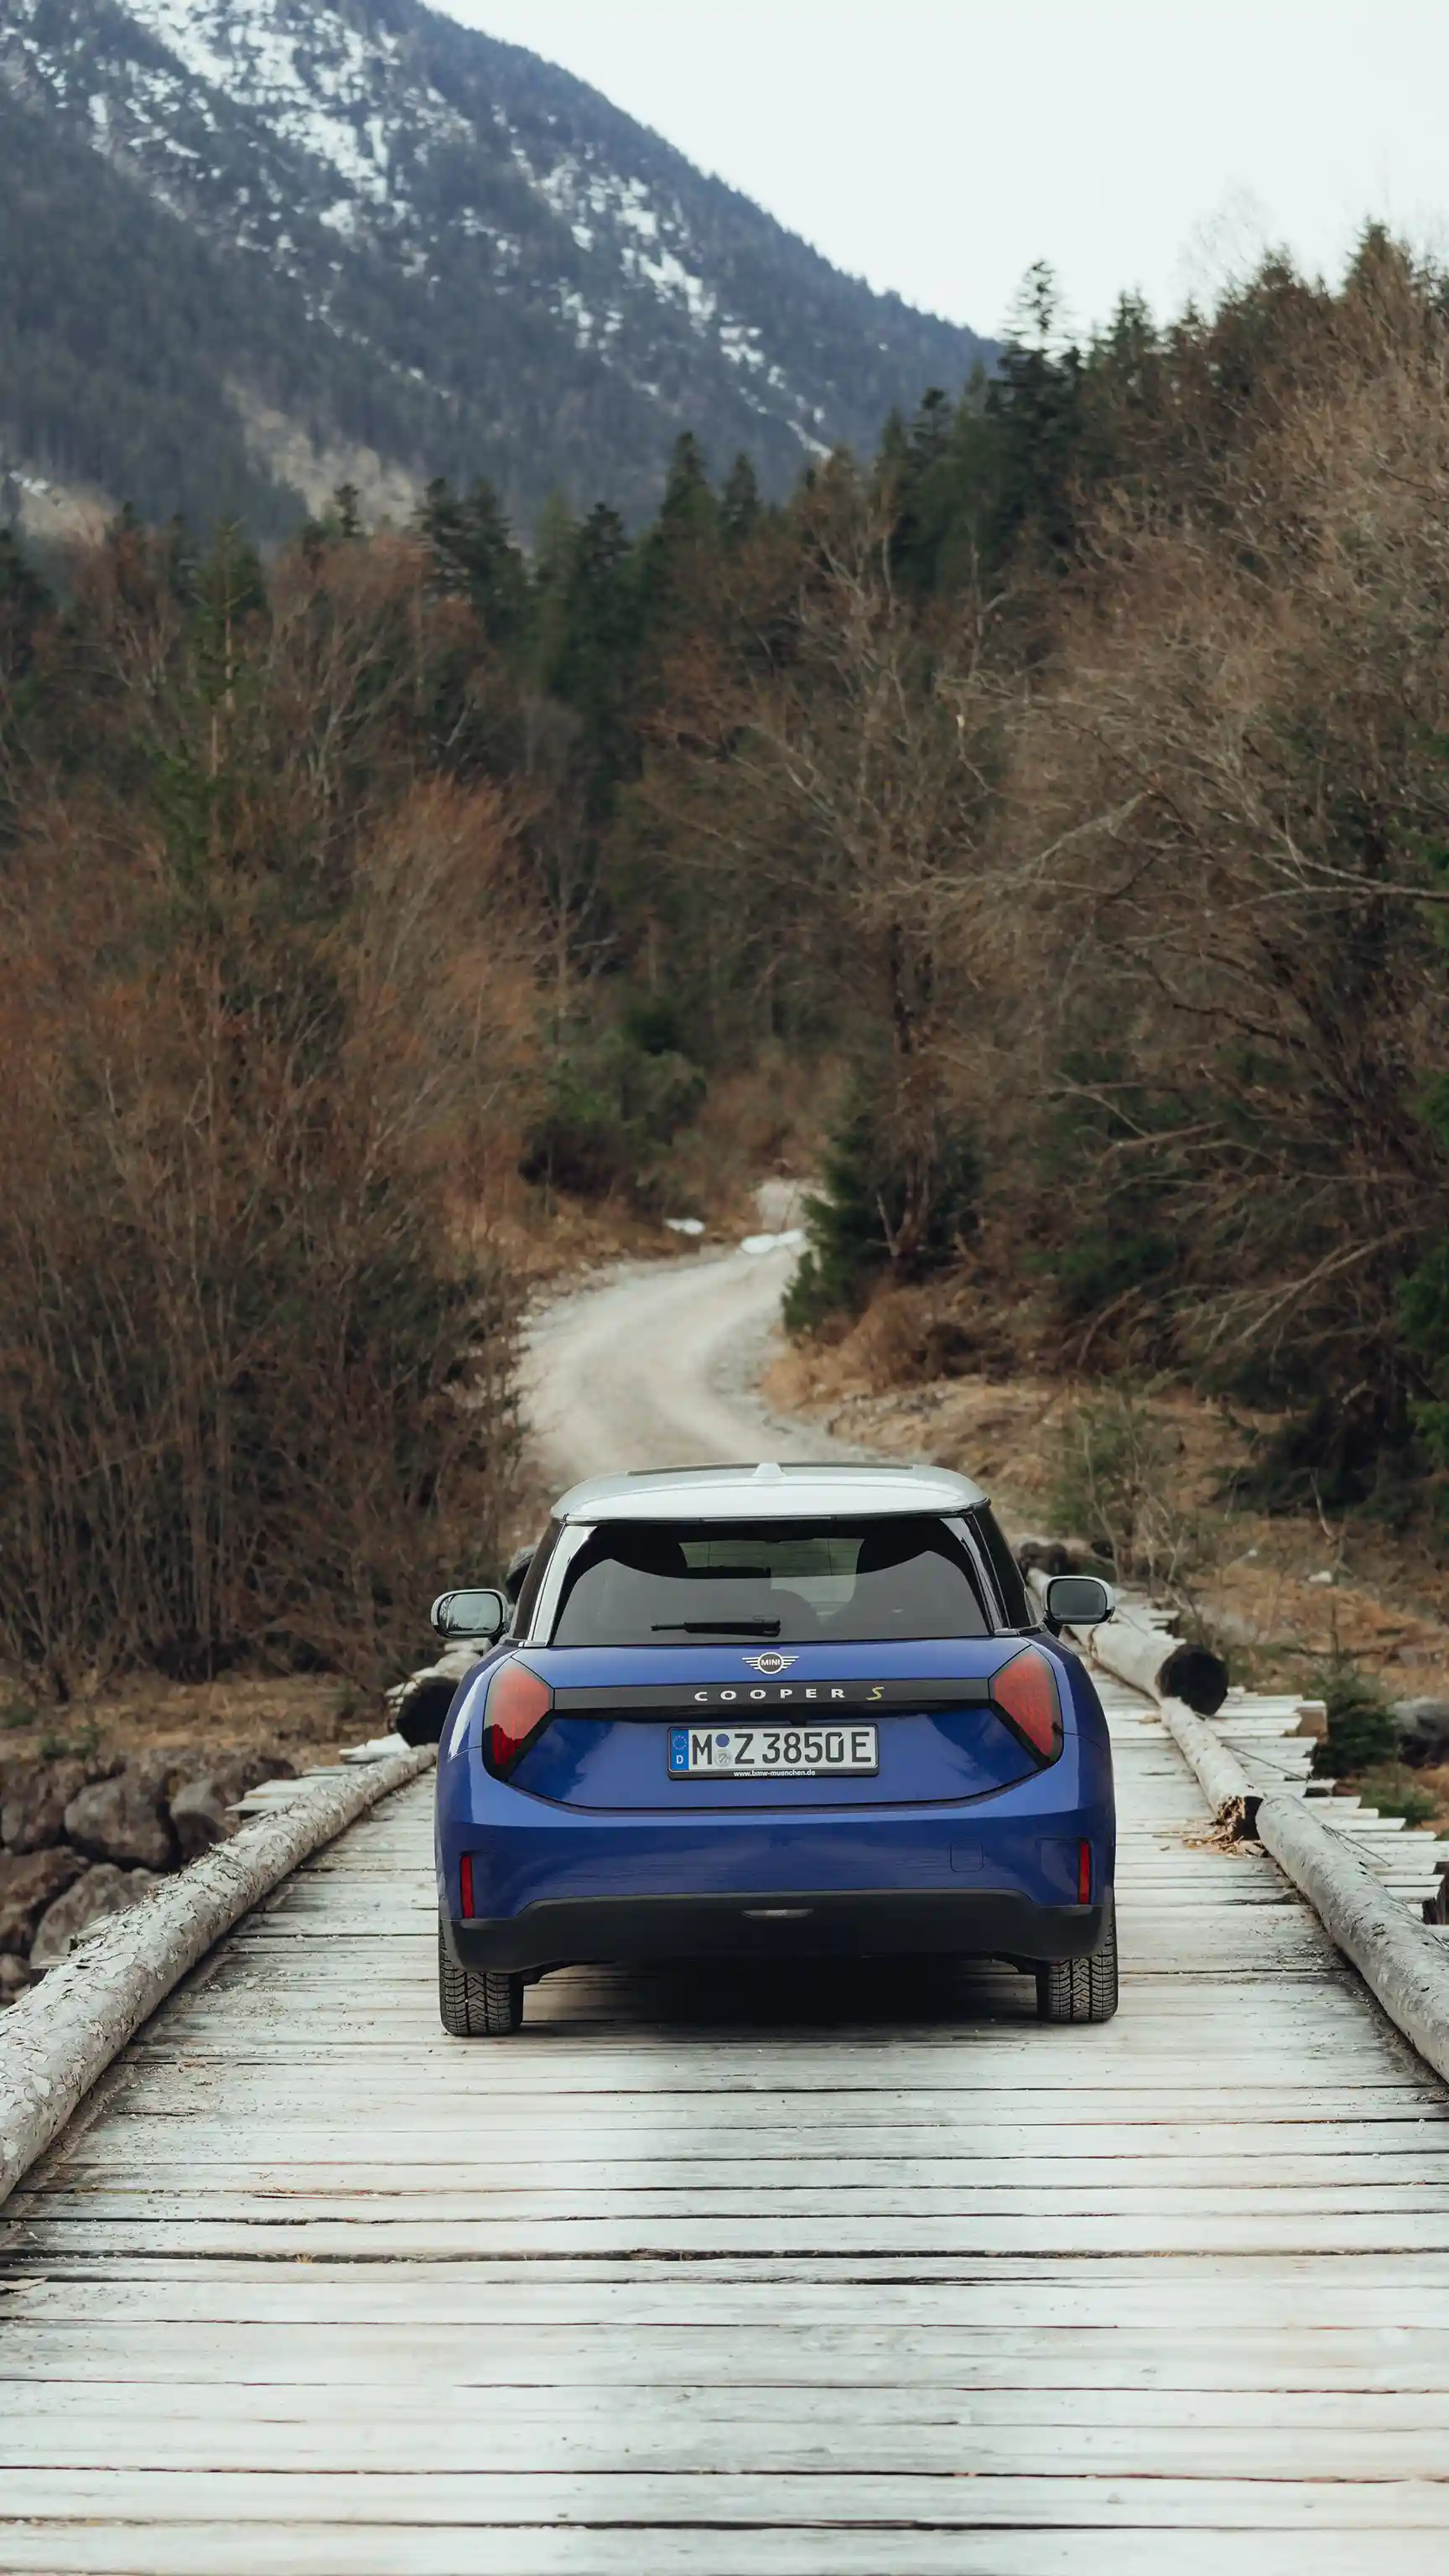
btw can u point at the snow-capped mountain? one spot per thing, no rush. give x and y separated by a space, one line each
359 236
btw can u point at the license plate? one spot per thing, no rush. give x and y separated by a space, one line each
773 1752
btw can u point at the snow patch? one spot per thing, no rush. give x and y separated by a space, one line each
574 311
315 80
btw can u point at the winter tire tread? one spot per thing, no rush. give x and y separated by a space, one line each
477 2003
1082 1990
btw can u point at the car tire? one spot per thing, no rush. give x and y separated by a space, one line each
1082 1989
477 2003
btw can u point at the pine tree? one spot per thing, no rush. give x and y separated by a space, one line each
594 664
678 553
1037 402
740 506
24 600
476 558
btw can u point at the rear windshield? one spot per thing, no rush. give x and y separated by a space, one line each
778 1582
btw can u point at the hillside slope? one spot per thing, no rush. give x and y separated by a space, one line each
246 241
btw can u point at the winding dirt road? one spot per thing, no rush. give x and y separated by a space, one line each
657 1365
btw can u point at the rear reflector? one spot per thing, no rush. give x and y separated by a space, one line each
1084 1873
519 1704
465 1874
1025 1691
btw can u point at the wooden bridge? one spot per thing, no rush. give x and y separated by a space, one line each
861 2274
710 2273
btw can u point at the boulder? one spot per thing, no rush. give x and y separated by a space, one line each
1197 1677
29 1883
1422 1726
200 1810
103 1891
199 1816
1044 1556
125 1819
37 1795
420 1705
14 1978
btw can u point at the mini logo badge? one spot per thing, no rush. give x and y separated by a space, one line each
771 1664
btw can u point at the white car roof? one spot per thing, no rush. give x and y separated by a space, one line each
768 1492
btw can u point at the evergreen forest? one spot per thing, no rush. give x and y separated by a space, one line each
1042 823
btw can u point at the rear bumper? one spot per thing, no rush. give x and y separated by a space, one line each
880 1923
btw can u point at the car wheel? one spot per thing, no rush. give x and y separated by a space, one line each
477 2003
1082 1989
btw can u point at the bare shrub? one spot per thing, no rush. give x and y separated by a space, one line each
1229 793
256 1023
1118 1485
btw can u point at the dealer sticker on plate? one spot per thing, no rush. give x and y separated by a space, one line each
773 1752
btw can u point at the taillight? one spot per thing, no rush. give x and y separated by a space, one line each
519 1704
1025 1691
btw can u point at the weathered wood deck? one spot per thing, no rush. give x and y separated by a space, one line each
711 2273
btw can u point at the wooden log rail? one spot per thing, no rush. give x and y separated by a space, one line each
62 2036
1405 1963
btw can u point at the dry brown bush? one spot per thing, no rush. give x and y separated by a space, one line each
1226 800
258 1023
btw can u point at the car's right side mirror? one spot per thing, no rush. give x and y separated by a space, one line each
1079 1601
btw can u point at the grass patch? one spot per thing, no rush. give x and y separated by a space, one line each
1396 1791
1361 1734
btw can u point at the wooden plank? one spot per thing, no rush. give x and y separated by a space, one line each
679 2353
698 2212
219 2549
734 2501
625 2131
1131 2162
925 2429
1325 2292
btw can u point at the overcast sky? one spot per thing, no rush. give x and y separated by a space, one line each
940 146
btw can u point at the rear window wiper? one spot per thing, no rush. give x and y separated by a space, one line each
716 1628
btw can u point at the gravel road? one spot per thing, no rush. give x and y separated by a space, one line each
656 1366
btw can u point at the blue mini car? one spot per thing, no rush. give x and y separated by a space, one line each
765 1712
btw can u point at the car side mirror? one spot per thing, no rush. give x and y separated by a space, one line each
1079 1601
470 1618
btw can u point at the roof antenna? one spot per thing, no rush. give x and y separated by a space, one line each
769 1472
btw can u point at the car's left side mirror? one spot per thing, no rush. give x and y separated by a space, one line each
1079 1601
470 1618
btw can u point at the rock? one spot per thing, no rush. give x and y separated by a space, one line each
125 1817
14 1978
1422 1726
420 1705
199 1817
103 1891
1196 1677
29 1882
200 1814
37 1795
1043 1556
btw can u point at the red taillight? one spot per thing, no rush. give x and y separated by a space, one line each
1084 1873
1025 1690
465 1876
518 1705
